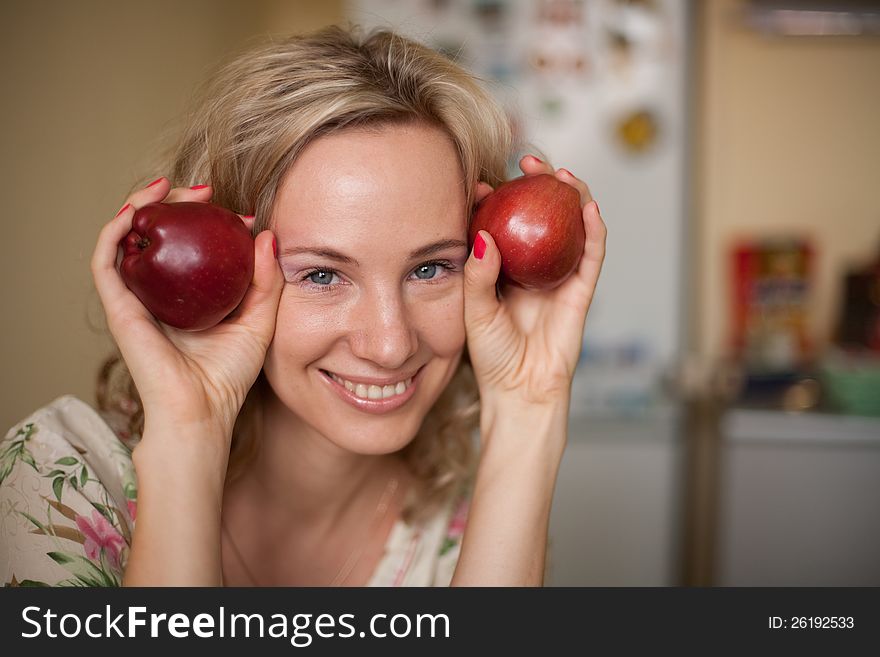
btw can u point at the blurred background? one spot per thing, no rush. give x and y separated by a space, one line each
725 424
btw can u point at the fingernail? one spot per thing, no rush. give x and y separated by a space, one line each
538 160
250 216
274 248
198 187
597 206
156 181
568 172
479 247
123 209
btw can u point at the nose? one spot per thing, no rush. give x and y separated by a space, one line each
384 333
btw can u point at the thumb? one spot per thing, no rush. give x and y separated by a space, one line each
480 275
259 307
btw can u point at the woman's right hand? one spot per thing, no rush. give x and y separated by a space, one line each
188 379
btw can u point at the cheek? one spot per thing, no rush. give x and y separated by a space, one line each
303 332
440 323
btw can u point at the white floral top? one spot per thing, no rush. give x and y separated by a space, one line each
68 503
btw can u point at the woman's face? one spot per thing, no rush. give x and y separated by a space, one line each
371 227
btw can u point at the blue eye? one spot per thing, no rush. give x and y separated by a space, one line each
320 277
429 269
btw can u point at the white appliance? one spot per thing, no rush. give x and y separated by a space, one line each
599 86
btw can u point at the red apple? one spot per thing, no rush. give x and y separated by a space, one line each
537 224
190 264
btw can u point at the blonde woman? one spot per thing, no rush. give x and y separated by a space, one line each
322 434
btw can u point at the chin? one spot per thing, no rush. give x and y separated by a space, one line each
367 442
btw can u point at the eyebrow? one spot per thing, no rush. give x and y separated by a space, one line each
332 254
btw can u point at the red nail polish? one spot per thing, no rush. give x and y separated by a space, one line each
123 209
479 247
198 187
156 181
274 248
249 216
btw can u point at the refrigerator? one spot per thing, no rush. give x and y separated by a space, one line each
599 87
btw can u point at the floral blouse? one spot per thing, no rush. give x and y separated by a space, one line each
68 504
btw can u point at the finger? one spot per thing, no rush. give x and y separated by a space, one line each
117 299
152 193
531 165
133 327
480 275
567 176
194 194
259 307
590 265
104 256
200 194
483 190
107 280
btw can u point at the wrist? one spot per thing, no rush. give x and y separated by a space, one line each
188 416
182 451
519 437
516 416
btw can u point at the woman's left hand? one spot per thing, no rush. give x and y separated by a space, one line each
524 347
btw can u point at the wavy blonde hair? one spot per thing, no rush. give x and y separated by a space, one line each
249 123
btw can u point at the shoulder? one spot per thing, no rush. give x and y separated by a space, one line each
67 498
66 433
71 418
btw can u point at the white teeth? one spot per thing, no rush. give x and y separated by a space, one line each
372 391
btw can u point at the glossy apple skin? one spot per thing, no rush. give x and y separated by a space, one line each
537 224
190 264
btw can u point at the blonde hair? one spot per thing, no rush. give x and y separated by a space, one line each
252 120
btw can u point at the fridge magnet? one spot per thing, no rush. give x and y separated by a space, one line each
637 131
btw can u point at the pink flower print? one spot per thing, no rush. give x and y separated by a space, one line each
100 535
132 508
459 520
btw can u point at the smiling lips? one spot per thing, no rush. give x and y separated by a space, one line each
373 398
373 391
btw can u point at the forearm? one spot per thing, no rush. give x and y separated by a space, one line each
505 542
176 541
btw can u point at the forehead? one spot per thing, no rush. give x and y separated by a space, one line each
386 189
